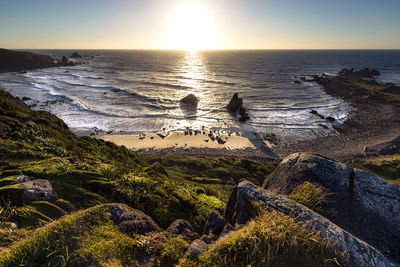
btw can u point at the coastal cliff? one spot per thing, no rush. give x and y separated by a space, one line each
11 61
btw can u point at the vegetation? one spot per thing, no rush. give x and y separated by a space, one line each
386 167
86 237
86 173
269 240
310 195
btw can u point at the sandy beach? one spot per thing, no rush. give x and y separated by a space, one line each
182 139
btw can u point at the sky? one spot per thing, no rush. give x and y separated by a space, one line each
200 24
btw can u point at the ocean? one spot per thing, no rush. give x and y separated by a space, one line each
131 91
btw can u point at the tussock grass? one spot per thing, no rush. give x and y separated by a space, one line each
86 237
269 240
311 195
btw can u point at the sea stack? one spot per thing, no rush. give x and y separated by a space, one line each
76 55
235 105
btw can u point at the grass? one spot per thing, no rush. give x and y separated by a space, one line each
87 237
172 252
269 240
386 167
311 195
87 172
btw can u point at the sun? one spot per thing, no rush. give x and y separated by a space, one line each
191 27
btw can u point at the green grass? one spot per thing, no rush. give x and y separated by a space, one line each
386 167
87 237
172 252
269 240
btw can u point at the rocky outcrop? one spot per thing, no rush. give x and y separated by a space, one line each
359 202
65 62
190 100
362 73
38 190
182 229
385 148
18 61
21 61
358 253
131 221
76 55
235 105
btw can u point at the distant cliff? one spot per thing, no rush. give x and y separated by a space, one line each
19 61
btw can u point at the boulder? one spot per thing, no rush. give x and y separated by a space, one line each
21 179
196 248
235 104
190 100
359 202
182 229
357 252
215 223
38 190
131 221
76 55
385 148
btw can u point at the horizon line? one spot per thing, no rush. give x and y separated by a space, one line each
217 49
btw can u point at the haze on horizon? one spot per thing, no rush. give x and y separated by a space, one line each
200 24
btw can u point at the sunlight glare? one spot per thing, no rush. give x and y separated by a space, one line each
191 27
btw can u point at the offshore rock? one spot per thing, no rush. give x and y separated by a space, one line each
190 100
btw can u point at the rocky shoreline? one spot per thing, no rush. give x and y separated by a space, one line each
13 61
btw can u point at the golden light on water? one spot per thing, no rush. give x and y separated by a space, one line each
191 27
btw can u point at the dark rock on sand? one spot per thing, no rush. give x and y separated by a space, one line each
190 100
38 190
357 252
215 223
25 98
362 203
131 221
76 55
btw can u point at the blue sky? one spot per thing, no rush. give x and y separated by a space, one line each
236 24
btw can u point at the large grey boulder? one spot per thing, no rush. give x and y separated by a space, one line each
38 190
358 252
131 221
361 203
